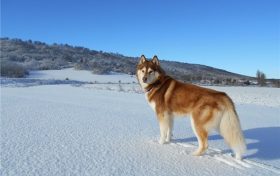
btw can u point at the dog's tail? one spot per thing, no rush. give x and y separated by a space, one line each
230 129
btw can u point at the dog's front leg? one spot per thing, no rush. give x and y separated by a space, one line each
165 126
170 129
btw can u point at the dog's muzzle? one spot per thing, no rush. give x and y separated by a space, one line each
145 79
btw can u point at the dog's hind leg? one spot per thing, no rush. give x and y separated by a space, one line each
202 137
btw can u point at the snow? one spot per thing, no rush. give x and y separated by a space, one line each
109 129
81 75
265 96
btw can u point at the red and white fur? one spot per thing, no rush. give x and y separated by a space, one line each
209 109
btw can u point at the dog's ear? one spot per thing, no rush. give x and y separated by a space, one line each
142 59
155 60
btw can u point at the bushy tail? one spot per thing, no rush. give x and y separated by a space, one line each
230 129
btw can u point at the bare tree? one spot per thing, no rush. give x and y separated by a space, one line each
261 78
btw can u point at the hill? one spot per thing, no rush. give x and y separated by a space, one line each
35 55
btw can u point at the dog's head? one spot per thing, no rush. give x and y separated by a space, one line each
148 72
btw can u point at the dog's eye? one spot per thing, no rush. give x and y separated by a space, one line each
143 71
150 72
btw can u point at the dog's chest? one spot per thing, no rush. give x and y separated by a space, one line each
151 103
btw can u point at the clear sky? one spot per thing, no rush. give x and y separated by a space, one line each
237 35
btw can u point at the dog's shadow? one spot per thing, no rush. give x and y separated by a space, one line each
265 145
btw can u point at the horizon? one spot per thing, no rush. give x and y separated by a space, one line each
239 37
168 60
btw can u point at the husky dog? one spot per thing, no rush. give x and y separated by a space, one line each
209 109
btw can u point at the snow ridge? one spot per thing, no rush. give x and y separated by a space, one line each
228 159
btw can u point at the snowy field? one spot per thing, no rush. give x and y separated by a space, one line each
109 129
81 75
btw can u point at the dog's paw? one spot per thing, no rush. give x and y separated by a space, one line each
197 153
161 141
167 140
238 156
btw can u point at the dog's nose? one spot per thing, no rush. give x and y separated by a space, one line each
144 79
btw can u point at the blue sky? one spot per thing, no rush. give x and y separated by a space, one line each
237 35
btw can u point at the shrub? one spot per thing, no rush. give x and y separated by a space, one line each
13 70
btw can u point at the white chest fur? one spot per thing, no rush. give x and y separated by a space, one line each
151 103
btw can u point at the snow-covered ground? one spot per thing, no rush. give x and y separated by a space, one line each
81 75
108 129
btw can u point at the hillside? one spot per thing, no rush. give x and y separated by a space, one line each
35 55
